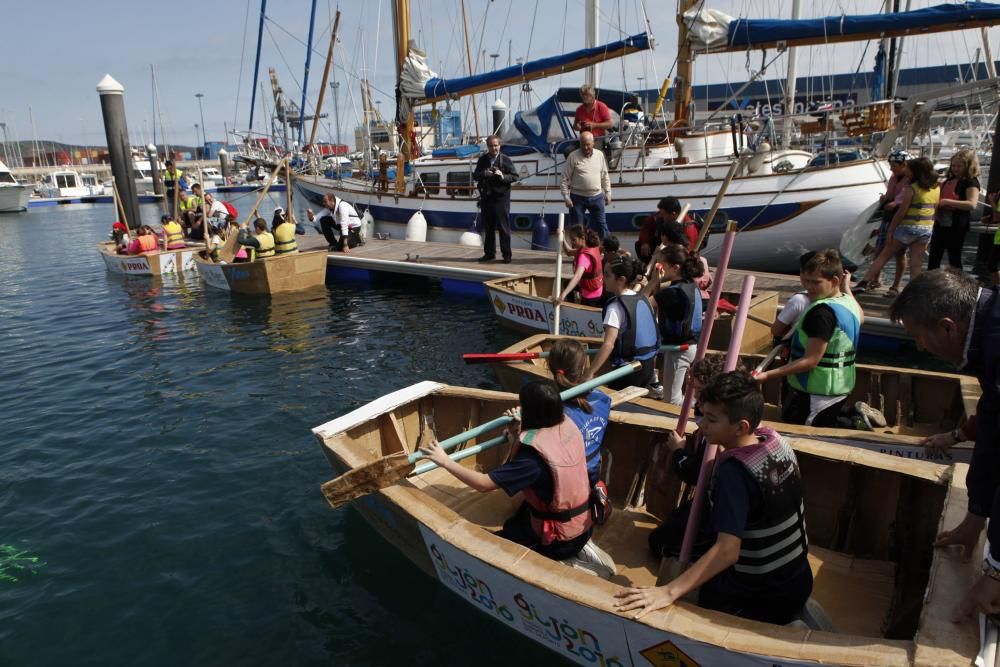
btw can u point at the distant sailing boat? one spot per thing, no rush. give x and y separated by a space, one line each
785 201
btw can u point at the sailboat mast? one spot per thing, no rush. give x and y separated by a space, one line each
685 59
593 75
401 19
305 76
468 58
786 125
256 63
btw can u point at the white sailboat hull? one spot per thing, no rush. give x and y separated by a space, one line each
14 198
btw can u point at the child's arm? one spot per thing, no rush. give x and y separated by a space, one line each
815 349
900 213
573 282
723 554
610 336
472 478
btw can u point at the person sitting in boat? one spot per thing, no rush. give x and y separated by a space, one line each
120 237
338 213
632 111
667 210
952 317
679 313
684 463
215 242
548 465
583 245
673 232
796 305
283 230
592 115
821 367
567 362
630 330
172 233
216 209
758 567
260 243
611 248
194 214
145 242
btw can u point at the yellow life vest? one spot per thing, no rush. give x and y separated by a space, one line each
185 204
284 239
922 206
266 241
171 177
174 234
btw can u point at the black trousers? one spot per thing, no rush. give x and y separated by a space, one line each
795 410
948 239
353 239
496 218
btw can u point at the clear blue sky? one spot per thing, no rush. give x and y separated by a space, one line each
60 50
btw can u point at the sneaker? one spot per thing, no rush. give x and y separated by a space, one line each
873 417
594 560
656 391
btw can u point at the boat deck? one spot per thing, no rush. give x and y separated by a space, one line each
450 261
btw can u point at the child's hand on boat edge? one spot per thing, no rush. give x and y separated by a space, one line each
644 599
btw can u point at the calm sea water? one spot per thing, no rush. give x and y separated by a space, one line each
159 483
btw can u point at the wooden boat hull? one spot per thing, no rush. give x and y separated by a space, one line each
522 304
916 403
857 505
162 263
271 275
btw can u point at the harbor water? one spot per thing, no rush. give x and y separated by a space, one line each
159 482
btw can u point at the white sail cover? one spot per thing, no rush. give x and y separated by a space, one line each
412 78
707 28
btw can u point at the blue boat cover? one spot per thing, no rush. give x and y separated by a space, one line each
456 151
750 32
437 87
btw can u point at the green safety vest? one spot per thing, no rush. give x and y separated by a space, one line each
835 373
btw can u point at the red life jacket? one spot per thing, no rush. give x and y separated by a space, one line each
231 210
592 281
568 515
148 243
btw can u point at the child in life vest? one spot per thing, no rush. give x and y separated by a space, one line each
584 246
568 363
145 242
684 462
630 331
679 313
215 243
758 566
548 466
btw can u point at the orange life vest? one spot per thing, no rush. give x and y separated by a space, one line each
568 515
148 244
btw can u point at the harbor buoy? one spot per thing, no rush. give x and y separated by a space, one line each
367 224
471 238
416 228
540 235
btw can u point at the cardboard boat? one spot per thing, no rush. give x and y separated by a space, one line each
267 275
161 263
522 304
916 403
871 521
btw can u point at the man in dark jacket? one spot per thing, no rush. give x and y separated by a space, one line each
494 174
952 317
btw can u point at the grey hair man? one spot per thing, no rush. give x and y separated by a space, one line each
951 316
586 185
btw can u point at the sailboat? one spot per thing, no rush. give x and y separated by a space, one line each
785 201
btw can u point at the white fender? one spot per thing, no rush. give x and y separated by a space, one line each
367 224
470 238
416 228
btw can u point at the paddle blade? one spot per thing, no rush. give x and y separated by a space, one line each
500 356
367 479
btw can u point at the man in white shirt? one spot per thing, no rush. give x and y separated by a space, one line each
337 213
586 186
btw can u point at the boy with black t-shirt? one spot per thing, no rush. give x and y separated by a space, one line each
820 370
758 566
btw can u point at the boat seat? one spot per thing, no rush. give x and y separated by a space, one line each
813 617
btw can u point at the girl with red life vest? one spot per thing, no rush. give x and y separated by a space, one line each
145 242
584 246
548 465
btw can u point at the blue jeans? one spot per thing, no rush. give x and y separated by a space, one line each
593 204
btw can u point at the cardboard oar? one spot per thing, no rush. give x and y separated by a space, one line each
485 358
390 469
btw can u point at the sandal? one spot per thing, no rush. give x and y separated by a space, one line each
861 287
891 293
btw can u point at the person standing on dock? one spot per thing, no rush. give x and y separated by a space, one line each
586 186
172 178
494 175
952 317
337 213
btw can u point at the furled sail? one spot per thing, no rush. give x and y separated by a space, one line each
419 85
712 31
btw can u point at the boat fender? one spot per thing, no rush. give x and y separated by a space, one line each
757 159
367 225
471 238
540 234
416 228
